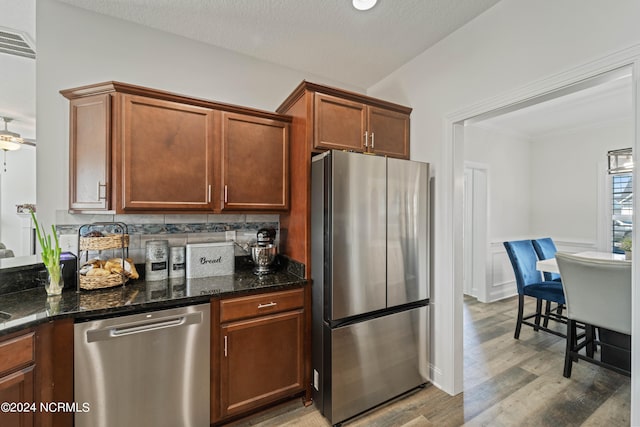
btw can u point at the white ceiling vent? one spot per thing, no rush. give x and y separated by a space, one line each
17 43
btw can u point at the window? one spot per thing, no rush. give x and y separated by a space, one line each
621 209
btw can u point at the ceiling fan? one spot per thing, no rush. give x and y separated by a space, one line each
10 141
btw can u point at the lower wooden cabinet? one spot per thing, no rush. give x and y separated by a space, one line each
261 353
262 361
17 391
17 380
36 370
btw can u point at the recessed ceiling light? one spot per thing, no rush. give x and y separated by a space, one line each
364 4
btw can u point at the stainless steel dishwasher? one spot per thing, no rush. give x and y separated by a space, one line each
148 369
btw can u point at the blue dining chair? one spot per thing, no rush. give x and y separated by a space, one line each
530 283
546 249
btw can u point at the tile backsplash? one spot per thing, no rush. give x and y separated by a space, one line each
177 229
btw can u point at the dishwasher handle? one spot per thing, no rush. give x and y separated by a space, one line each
125 329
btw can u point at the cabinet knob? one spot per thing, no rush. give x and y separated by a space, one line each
373 140
366 139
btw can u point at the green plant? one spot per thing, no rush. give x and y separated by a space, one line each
625 244
50 253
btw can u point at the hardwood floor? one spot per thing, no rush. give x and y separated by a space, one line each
507 382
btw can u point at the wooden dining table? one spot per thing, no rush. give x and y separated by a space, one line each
551 265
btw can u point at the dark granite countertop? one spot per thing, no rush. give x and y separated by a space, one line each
32 306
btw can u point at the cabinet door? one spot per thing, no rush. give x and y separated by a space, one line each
90 153
18 388
389 132
166 151
261 361
255 169
339 124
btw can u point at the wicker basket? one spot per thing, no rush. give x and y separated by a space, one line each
101 282
112 241
110 298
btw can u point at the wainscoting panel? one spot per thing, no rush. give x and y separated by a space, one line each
501 282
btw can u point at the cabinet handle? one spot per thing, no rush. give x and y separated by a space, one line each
366 139
105 191
271 304
225 346
209 197
225 194
373 140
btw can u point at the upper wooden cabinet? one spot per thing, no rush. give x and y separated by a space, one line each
165 156
339 123
329 118
388 132
136 149
90 153
255 163
343 120
345 124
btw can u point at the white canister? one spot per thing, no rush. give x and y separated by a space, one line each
176 262
157 260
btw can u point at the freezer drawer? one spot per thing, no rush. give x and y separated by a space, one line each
376 360
143 370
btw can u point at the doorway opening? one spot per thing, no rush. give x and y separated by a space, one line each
547 160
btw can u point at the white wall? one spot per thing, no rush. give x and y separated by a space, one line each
513 44
551 185
570 179
17 187
77 47
509 168
508 159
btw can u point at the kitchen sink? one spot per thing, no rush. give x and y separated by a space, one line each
4 316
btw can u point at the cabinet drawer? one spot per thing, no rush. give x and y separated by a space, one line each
17 352
258 305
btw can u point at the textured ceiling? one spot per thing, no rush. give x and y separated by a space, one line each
324 37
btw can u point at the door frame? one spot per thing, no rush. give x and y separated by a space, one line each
452 161
477 226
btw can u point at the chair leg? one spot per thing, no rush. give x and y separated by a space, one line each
538 313
568 358
590 336
519 321
547 311
559 309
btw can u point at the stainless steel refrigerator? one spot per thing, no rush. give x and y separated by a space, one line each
370 271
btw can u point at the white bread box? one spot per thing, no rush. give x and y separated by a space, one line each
209 259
